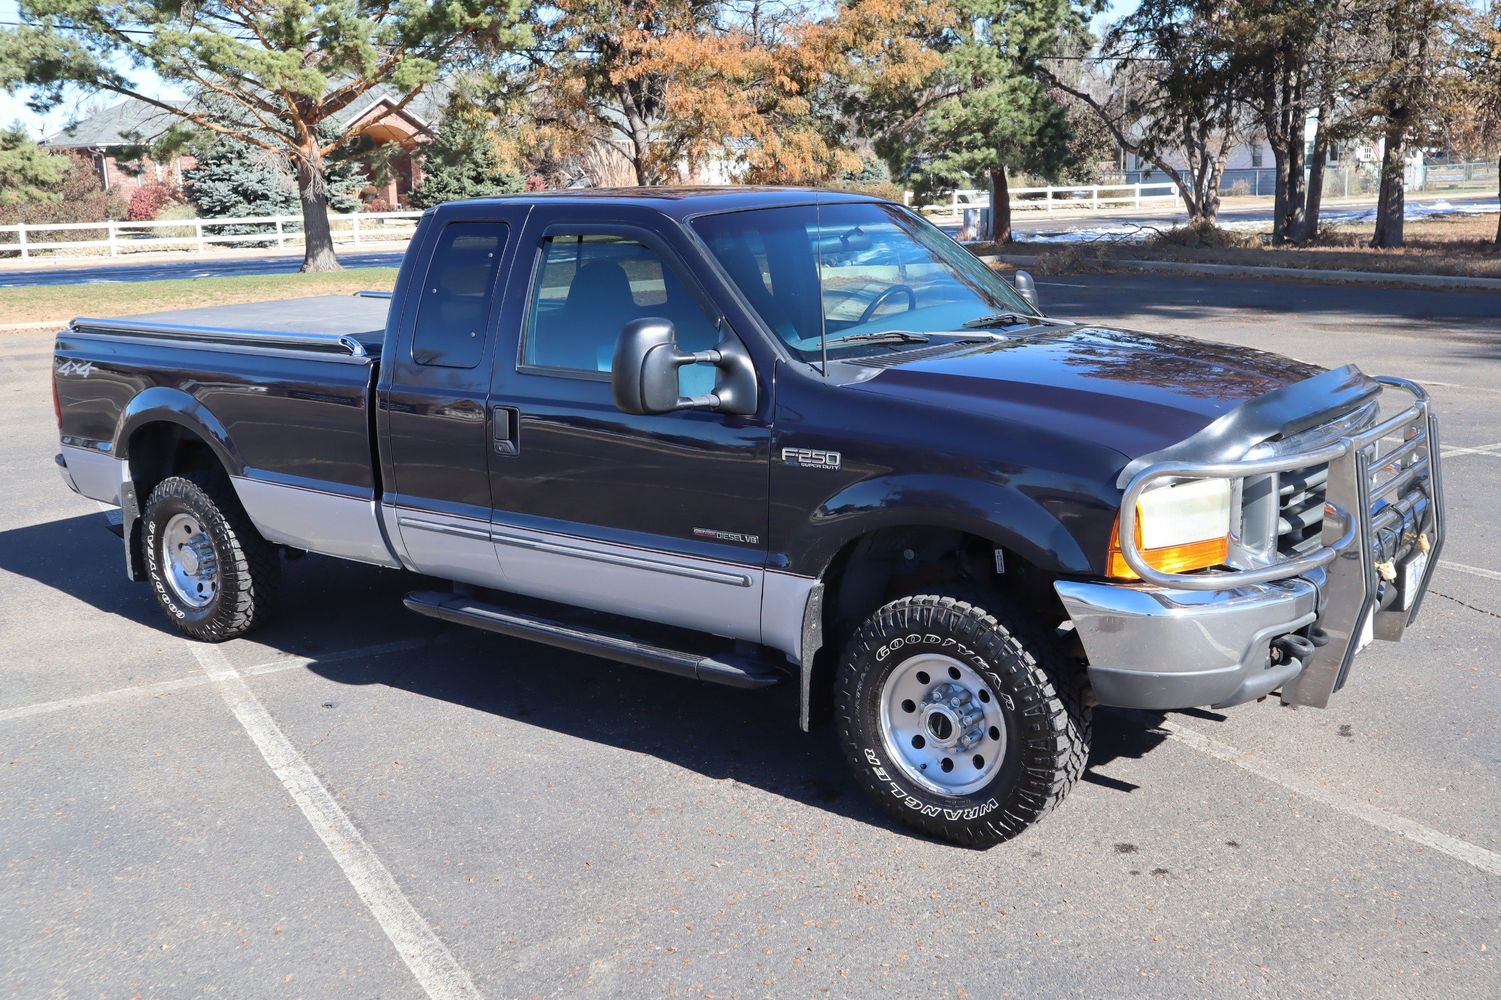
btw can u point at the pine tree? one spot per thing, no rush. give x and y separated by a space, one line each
234 179
985 111
28 173
289 71
461 162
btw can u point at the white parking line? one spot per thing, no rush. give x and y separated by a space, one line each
197 680
1489 574
1456 385
1461 850
1485 449
428 957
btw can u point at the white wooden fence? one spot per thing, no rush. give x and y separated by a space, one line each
1047 199
196 234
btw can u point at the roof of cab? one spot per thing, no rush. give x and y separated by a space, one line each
682 202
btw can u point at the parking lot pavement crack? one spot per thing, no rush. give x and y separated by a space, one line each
1464 604
429 959
1462 850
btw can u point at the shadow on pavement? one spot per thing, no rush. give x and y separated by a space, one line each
330 606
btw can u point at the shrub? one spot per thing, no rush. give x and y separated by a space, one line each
1204 234
148 201
78 197
1239 189
173 213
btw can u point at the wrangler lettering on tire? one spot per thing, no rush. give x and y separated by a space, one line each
958 721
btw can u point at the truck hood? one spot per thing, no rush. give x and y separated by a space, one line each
1133 392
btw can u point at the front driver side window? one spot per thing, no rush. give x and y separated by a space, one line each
590 286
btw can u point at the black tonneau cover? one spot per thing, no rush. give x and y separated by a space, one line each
354 324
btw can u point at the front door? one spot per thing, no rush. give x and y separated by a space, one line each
657 517
434 395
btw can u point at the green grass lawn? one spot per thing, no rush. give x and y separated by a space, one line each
44 305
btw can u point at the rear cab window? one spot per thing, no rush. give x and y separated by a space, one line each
453 313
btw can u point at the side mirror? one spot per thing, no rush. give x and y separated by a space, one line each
1026 288
644 372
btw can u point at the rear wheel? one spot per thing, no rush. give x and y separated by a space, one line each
959 720
213 575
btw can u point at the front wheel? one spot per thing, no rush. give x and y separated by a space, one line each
959 720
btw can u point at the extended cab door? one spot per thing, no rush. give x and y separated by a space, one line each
435 385
657 517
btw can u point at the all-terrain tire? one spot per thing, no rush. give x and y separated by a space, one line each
249 566
1038 689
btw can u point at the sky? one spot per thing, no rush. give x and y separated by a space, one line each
13 107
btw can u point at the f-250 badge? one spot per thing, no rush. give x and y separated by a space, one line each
811 458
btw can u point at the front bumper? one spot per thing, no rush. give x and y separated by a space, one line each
1150 647
1182 640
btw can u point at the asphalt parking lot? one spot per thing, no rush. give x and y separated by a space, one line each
364 803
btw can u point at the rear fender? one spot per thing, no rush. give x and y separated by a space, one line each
156 405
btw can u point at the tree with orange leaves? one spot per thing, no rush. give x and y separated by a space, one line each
679 85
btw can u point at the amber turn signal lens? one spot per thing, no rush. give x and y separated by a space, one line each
1168 559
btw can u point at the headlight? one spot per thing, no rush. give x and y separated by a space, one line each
1180 527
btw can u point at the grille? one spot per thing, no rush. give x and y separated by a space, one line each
1300 514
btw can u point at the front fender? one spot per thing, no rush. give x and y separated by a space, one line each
162 404
1026 519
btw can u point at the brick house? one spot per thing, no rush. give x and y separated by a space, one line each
113 137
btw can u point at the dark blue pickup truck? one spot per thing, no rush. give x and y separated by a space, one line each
756 435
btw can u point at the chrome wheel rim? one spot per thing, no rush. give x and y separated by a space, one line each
942 725
192 565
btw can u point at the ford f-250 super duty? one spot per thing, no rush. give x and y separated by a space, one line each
749 435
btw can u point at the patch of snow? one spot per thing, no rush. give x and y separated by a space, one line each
1417 210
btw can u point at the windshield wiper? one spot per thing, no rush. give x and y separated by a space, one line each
1000 319
880 337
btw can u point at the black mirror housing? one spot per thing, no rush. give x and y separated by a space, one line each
644 373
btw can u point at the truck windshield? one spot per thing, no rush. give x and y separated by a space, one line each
870 277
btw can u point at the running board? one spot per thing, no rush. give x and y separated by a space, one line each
735 671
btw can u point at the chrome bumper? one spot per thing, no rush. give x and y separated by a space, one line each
1178 640
62 467
1150 647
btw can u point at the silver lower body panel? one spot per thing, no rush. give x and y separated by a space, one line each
92 473
670 589
328 523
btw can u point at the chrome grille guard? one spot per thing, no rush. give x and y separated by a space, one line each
1349 593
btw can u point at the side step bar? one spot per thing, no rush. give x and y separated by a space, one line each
735 671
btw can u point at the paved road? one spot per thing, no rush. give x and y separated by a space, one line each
536 823
188 266
1029 226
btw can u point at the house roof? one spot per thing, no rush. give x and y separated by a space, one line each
132 122
127 123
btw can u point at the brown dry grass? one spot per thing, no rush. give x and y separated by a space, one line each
1459 245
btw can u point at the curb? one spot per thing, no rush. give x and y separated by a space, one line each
1326 276
45 324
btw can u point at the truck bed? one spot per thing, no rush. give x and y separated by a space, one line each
282 391
324 322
